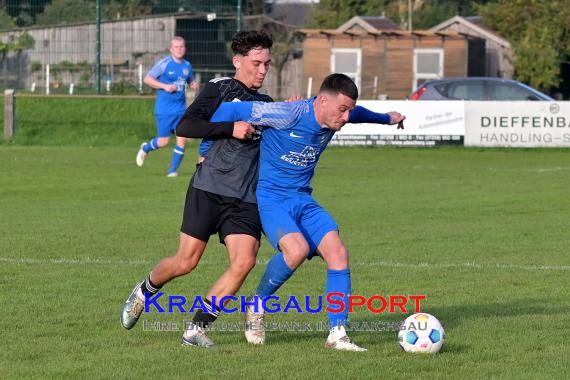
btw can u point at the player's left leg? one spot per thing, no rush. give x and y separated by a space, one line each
163 127
323 237
177 156
240 231
242 251
334 253
284 235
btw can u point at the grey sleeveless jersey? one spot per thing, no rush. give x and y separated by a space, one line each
230 167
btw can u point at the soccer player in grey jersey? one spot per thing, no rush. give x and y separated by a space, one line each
227 206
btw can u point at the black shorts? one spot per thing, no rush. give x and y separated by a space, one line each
206 213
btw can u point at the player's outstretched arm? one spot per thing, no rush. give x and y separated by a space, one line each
364 115
233 111
276 115
196 120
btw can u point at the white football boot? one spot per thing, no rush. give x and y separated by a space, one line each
338 340
141 155
254 327
133 307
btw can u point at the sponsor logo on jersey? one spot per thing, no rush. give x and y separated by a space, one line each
304 158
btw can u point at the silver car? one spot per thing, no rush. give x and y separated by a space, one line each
476 88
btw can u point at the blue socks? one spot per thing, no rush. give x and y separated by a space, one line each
276 273
151 145
338 281
177 156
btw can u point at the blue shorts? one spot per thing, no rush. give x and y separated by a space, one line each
281 215
166 124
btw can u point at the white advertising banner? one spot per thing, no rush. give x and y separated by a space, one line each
427 123
517 124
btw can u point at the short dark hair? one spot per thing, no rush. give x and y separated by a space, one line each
340 84
243 42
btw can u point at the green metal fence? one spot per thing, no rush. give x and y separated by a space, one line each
61 46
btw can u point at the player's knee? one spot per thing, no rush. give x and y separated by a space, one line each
187 265
295 255
163 141
186 261
243 266
337 258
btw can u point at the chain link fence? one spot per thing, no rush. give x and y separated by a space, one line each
50 46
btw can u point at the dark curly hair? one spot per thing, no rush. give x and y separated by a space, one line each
244 41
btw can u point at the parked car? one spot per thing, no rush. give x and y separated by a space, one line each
476 88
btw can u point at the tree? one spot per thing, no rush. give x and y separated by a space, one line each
23 12
23 42
116 9
425 13
330 14
539 32
67 11
6 22
286 41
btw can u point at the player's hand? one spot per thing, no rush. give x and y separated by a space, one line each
293 98
243 130
169 88
194 85
397 118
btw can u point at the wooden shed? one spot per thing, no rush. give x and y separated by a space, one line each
387 64
499 51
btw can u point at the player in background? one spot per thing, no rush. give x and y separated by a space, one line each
295 224
170 77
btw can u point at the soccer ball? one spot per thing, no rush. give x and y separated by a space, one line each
421 333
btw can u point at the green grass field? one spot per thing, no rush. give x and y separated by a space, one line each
483 233
81 121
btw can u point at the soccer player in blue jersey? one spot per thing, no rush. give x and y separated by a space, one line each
295 224
170 76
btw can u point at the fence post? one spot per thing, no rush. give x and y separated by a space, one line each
309 87
47 79
9 114
375 89
140 78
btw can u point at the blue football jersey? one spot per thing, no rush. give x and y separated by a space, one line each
290 149
169 71
292 139
292 145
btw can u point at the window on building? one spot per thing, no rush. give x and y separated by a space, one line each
348 62
428 64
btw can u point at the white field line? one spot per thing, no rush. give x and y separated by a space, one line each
466 265
537 170
386 264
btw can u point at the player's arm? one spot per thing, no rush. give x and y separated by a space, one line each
158 85
196 120
233 111
194 85
151 79
276 115
363 115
